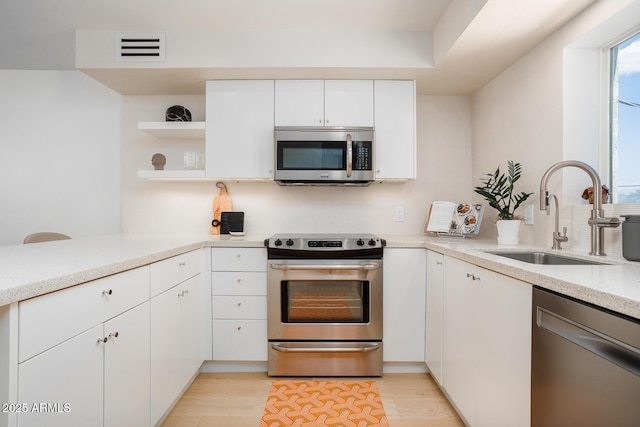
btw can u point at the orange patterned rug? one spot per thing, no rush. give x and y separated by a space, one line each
324 403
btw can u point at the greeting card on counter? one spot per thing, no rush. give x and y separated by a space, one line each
458 219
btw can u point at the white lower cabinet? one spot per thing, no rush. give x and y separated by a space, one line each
239 304
404 304
95 369
103 372
434 306
486 345
68 374
126 368
177 338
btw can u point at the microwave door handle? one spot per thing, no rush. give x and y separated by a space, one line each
349 156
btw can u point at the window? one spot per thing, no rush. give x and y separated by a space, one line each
625 121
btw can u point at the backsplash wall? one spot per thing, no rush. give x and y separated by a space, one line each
444 173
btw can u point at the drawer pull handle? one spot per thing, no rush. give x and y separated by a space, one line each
107 292
182 264
113 335
473 276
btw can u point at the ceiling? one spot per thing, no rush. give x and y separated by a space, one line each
471 41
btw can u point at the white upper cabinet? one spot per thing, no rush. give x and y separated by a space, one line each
395 122
324 103
299 103
239 132
348 103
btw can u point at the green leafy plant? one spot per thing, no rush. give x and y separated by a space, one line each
498 190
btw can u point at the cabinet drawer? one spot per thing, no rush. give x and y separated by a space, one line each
239 259
239 307
171 271
50 319
239 283
240 340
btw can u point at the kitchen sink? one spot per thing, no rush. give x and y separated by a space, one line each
537 257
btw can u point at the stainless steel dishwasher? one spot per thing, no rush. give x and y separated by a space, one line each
585 364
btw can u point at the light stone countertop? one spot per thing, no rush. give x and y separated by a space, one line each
27 271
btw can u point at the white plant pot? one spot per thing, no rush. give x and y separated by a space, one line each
508 231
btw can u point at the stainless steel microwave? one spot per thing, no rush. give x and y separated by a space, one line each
324 156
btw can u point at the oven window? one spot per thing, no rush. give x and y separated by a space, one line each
315 301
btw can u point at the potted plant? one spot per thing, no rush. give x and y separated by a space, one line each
498 190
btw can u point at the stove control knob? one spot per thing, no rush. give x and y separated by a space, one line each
278 242
360 242
372 242
289 242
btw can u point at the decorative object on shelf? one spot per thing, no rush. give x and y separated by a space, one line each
177 113
498 190
221 203
587 194
158 161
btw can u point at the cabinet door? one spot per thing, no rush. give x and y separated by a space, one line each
299 103
126 369
239 132
65 383
348 103
240 340
433 327
459 336
165 351
395 118
238 259
503 351
404 305
191 328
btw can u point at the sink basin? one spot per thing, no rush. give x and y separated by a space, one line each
534 257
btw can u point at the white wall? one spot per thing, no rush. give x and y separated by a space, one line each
520 116
444 159
60 163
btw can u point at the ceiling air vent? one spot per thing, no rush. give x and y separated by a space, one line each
140 47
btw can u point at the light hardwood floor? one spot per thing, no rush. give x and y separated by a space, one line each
237 400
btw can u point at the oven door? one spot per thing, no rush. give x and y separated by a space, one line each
331 300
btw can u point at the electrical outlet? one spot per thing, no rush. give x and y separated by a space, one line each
399 214
528 214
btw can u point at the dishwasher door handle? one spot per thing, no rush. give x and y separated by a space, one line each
611 349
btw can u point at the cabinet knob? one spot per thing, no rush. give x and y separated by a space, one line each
182 264
239 280
107 292
438 262
239 304
473 276
239 328
102 340
112 335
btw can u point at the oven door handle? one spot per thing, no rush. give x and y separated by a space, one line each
291 348
324 267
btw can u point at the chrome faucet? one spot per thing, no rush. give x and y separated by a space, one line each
557 236
597 221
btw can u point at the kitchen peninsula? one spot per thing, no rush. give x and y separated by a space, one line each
31 273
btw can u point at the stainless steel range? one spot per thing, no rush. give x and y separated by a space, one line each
324 294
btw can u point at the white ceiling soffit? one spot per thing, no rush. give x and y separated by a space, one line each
469 41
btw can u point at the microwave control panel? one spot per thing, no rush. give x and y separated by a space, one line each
362 155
